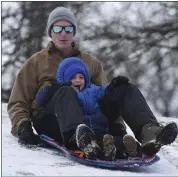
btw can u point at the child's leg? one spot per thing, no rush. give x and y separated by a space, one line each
127 146
120 151
131 147
109 148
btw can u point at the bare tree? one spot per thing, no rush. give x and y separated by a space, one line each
140 40
149 46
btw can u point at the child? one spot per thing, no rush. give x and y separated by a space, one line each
93 137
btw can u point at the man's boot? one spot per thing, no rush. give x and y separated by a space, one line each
86 141
109 149
155 135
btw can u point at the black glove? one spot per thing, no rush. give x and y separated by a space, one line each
118 81
26 135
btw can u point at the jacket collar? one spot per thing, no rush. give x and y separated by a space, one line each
52 49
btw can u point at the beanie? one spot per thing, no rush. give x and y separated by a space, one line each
61 13
71 66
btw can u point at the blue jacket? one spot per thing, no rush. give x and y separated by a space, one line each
93 117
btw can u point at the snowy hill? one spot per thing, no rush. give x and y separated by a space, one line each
21 161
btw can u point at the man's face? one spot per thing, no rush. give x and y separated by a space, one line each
63 39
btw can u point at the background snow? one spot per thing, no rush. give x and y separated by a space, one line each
22 161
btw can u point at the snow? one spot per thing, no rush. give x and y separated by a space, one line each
18 160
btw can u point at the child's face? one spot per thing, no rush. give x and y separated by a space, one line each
78 82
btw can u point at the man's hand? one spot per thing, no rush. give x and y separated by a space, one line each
26 135
119 80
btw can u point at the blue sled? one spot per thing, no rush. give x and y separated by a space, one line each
116 164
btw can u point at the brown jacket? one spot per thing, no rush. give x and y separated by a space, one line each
38 69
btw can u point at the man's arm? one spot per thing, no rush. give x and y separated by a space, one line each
22 95
99 76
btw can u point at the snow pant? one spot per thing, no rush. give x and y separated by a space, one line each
61 116
128 102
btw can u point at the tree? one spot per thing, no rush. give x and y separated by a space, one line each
136 39
148 40
24 33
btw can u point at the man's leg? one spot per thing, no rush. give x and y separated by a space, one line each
142 121
135 110
128 102
61 117
66 108
48 125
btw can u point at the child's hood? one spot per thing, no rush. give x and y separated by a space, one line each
71 66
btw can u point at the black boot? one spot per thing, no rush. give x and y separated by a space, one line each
86 141
158 136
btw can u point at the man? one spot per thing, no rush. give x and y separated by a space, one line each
39 74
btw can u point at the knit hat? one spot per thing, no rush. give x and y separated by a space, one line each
71 66
61 13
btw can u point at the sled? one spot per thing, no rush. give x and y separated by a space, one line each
78 156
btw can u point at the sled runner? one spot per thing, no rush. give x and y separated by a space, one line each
78 156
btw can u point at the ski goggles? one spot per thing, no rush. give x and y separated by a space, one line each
67 29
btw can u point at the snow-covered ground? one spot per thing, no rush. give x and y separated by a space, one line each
22 161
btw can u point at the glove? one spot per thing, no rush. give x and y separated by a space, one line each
118 81
26 135
47 91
